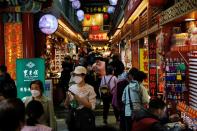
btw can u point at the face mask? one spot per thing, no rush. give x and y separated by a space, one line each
35 93
77 79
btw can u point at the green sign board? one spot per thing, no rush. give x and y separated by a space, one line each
28 70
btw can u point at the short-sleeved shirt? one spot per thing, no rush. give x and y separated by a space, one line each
87 91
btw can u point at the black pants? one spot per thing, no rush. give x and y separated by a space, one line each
106 105
128 123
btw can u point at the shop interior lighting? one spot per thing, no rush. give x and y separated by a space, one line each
190 19
121 23
68 30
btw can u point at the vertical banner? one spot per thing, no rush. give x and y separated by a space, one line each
28 70
144 63
13 46
152 69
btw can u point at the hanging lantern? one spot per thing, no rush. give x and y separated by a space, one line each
88 17
157 3
111 9
80 13
76 4
113 2
80 18
105 16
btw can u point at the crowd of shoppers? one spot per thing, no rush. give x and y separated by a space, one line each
83 80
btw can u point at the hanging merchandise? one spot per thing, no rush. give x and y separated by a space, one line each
76 4
111 9
175 81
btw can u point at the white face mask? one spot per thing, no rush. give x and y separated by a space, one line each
35 93
77 79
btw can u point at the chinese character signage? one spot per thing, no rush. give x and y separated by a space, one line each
144 63
98 37
152 69
14 46
28 70
95 9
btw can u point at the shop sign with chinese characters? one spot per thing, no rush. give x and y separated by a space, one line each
95 9
14 46
144 63
28 70
152 69
98 37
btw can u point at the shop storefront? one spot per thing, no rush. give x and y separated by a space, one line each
178 39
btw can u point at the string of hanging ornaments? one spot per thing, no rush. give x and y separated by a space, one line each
76 4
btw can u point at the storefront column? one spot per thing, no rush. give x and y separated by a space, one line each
2 47
28 35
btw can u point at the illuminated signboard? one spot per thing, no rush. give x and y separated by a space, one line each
152 69
14 46
98 37
93 20
95 9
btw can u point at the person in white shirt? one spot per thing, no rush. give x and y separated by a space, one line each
81 97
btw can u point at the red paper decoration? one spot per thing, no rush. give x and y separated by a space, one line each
105 16
88 17
157 2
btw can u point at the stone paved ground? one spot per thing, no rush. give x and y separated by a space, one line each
99 122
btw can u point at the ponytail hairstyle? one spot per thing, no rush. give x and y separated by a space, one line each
34 111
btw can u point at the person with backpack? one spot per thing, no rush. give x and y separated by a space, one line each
132 98
107 89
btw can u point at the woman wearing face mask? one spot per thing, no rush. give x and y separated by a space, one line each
81 99
37 89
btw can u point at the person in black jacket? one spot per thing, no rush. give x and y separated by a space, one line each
149 119
7 84
117 64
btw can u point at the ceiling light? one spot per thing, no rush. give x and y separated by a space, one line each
190 19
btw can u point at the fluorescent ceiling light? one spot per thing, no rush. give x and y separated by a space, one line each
190 19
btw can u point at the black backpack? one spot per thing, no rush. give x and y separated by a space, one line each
105 89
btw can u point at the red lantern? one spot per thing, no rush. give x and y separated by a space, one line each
105 16
157 2
88 17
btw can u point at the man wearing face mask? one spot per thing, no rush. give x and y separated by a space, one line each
149 120
37 90
81 100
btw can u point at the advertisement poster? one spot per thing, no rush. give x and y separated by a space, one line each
28 70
